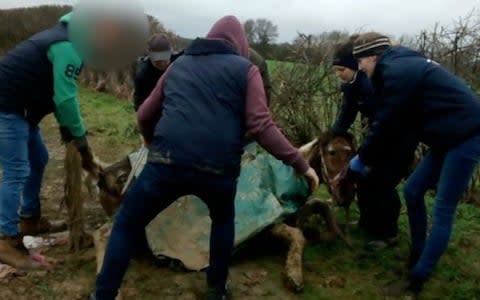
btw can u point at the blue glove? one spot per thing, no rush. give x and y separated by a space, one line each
357 166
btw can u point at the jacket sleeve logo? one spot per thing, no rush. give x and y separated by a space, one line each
432 62
73 72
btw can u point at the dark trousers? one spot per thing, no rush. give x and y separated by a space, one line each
378 199
379 203
156 188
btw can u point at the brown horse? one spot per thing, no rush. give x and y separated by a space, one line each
327 154
333 155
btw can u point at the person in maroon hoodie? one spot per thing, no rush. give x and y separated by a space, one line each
194 123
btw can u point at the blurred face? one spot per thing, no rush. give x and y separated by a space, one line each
108 45
161 64
345 74
108 34
367 65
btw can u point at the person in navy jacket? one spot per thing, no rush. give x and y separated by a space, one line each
194 124
378 199
421 97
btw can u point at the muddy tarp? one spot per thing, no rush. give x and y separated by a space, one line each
268 191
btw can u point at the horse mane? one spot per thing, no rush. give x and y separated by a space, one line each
325 137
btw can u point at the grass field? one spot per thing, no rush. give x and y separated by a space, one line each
331 270
458 276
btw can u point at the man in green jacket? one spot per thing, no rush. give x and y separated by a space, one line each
38 77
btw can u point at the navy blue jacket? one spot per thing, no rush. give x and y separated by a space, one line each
203 116
421 98
358 96
26 75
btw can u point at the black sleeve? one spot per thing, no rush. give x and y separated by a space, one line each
141 90
348 112
267 85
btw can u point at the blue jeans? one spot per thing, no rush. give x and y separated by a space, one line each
451 171
23 157
157 187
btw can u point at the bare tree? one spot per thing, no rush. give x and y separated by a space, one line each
456 47
316 49
306 97
249 26
266 32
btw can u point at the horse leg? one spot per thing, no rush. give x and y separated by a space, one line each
100 239
294 265
317 206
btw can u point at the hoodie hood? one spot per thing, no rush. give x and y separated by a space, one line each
231 30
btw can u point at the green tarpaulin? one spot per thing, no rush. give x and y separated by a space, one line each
268 191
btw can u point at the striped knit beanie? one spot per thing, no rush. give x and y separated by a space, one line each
369 44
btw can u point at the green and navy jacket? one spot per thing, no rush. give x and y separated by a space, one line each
39 76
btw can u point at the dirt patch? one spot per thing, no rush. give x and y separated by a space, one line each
331 270
74 277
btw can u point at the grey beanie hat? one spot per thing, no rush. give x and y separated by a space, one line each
370 44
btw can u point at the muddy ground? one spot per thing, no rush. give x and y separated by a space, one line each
331 271
75 276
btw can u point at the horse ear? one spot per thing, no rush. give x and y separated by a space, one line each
307 150
351 138
327 135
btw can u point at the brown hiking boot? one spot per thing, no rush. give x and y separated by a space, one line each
14 253
39 225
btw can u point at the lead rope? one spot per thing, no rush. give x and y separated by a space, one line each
324 174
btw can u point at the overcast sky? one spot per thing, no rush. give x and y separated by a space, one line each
191 18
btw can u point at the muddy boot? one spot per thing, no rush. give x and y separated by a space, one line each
14 253
409 286
39 225
379 245
217 294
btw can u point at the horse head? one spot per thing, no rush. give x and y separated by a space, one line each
329 155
